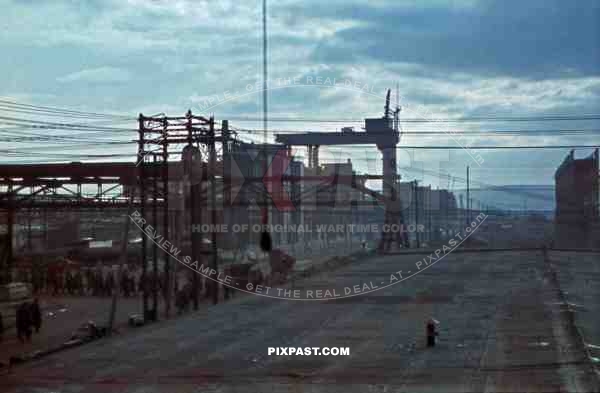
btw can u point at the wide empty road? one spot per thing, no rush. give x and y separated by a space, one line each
501 329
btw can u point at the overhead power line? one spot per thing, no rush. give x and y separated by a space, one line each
81 145
18 135
481 184
14 153
536 118
29 123
489 147
65 112
545 132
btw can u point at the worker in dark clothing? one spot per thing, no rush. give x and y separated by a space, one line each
110 284
124 284
36 315
1 327
23 323
431 333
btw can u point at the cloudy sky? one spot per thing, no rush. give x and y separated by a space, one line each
450 58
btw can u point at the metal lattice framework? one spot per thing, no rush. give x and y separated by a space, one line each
158 137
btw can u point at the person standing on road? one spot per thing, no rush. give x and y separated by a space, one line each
79 283
1 327
141 285
99 285
36 315
110 284
124 284
19 323
431 332
23 323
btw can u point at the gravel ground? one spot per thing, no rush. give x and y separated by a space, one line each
578 274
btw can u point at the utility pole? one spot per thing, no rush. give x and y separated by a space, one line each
165 178
416 193
213 203
468 213
265 100
10 235
124 241
227 206
430 234
195 189
142 175
154 280
29 216
447 207
265 72
46 240
265 240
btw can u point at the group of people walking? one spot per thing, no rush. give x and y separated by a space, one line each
89 283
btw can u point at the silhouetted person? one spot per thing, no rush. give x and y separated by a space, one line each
23 322
1 327
49 282
36 315
79 283
110 284
98 285
123 284
141 286
89 283
184 296
55 286
431 333
131 283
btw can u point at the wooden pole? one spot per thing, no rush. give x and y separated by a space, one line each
123 260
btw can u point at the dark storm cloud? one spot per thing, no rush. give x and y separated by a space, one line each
531 39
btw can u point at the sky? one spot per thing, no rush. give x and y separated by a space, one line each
449 59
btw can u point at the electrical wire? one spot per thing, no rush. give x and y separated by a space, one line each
488 147
61 111
559 132
13 121
539 118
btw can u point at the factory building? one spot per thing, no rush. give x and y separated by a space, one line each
577 218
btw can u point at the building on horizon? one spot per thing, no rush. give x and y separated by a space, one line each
577 216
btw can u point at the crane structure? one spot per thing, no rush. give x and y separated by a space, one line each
382 132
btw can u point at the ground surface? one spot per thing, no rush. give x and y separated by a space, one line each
61 317
63 314
501 329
